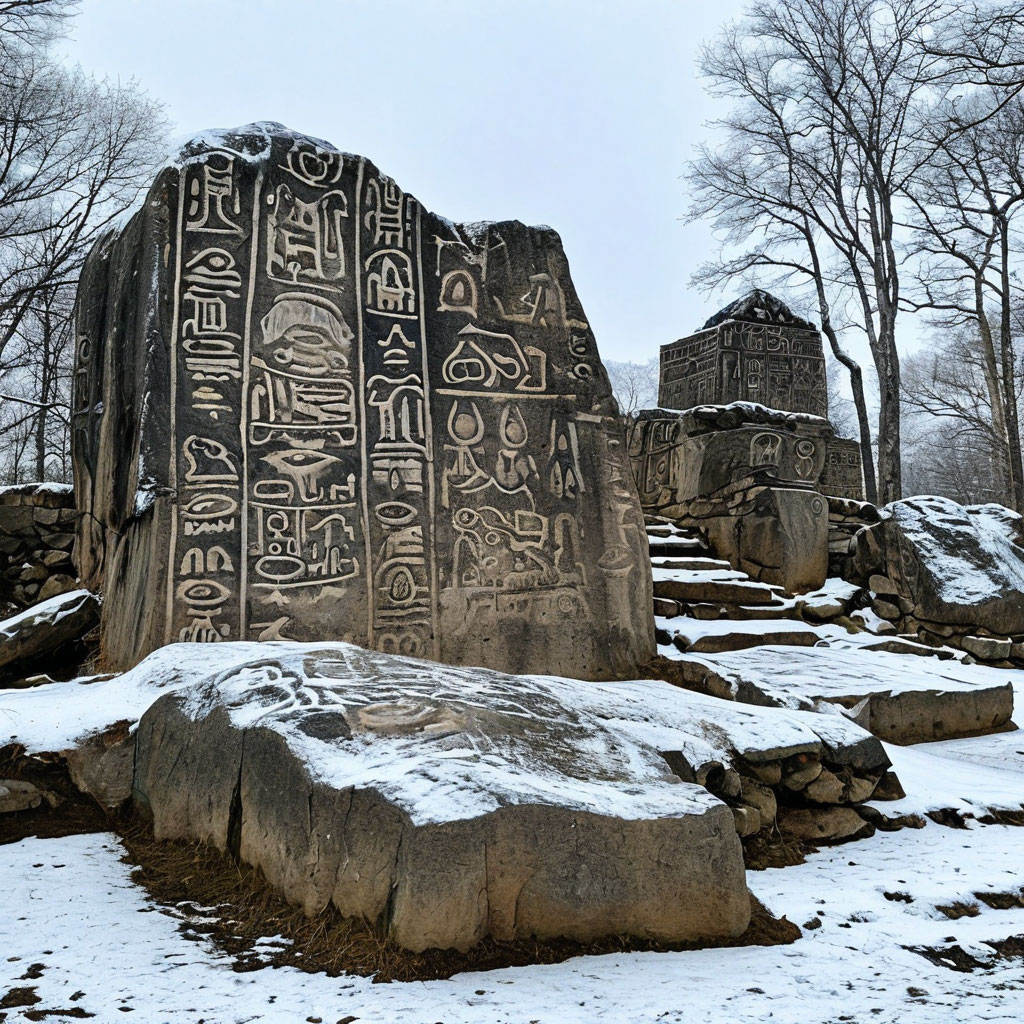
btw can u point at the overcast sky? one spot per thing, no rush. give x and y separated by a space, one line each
579 114
573 113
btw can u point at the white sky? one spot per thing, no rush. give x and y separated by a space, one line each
575 113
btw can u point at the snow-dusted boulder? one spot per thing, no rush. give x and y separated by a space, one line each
444 805
45 631
939 563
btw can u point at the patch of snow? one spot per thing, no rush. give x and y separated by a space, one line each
52 610
72 907
41 487
795 674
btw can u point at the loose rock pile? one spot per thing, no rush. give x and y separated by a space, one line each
37 532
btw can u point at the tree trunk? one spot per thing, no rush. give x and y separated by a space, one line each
1009 370
993 384
890 477
852 367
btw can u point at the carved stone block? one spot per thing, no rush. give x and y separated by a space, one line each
307 408
755 350
843 474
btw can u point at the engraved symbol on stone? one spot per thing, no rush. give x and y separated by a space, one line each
399 452
314 167
203 600
765 449
544 304
458 293
208 191
466 429
209 513
396 347
196 562
305 469
513 467
304 240
272 630
389 284
384 215
302 388
208 461
486 360
564 479
804 459
211 279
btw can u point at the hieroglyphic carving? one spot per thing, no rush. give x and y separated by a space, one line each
334 473
305 540
397 443
843 473
777 365
207 454
211 187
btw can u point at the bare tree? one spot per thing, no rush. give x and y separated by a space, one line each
965 204
75 153
945 388
635 385
829 128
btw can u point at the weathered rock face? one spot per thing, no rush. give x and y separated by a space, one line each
916 702
37 531
746 477
307 408
946 569
444 805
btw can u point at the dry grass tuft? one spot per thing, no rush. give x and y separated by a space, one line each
232 905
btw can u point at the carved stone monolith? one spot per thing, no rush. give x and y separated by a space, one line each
307 408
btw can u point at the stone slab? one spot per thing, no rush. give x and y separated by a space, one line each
28 638
896 697
444 805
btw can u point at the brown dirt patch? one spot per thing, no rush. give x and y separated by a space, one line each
954 911
769 848
73 813
1001 900
232 905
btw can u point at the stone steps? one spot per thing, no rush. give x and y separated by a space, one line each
696 564
697 587
716 636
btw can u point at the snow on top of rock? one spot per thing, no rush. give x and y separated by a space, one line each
963 547
40 487
52 610
441 742
798 676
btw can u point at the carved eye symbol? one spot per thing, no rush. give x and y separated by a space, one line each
300 460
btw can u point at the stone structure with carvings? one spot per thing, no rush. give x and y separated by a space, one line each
754 350
743 448
307 408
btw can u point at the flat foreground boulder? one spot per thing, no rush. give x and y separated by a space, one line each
441 805
900 698
43 631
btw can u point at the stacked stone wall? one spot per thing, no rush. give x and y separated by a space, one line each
37 533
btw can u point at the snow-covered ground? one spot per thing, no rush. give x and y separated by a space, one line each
77 930
70 906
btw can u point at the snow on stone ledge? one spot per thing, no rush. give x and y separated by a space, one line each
438 740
